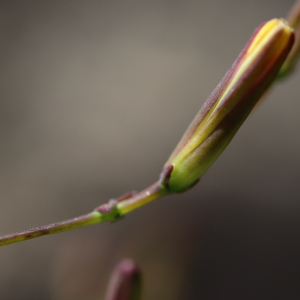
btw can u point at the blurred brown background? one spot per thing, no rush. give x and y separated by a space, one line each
94 97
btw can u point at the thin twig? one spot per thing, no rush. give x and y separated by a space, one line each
112 211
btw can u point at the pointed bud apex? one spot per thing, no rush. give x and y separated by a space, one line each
230 103
125 282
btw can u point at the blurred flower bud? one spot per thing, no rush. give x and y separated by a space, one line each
230 103
125 282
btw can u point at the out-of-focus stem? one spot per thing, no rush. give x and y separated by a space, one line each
290 63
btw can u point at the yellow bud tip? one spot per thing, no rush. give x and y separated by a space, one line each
266 32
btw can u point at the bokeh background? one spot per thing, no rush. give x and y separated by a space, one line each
94 97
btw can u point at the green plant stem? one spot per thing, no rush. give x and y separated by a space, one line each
113 213
290 63
146 196
88 219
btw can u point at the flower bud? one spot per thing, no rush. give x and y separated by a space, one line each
230 103
125 282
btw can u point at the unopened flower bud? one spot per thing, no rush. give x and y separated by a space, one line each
230 103
125 282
